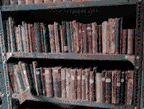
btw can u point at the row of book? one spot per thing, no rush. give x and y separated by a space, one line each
69 37
19 2
108 86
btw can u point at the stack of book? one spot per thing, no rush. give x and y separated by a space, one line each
69 37
108 86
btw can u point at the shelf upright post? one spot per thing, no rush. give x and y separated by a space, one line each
6 94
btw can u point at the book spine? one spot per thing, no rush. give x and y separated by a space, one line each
124 41
72 36
56 80
118 84
105 46
5 2
98 87
114 86
108 87
11 79
39 82
84 44
23 36
130 41
87 74
42 37
63 82
29 37
21 2
68 36
80 37
73 84
79 83
48 1
57 1
12 35
56 37
29 2
122 87
91 86
52 39
94 42
62 38
83 85
13 2
48 81
100 38
121 34
68 83
38 1
43 81
103 86
17 39
89 38
8 36
67 0
26 36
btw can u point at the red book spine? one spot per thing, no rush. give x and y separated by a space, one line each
91 86
73 84
89 36
26 36
48 81
124 41
80 37
63 82
100 39
87 72
84 43
83 85
118 84
103 86
130 41
79 83
114 86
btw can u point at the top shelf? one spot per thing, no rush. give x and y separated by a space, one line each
73 4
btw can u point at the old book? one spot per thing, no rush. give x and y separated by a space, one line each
8 36
118 84
42 37
17 39
57 81
89 37
83 85
130 41
87 74
114 86
43 81
103 86
12 34
79 83
38 1
48 1
80 37
73 83
105 43
124 41
98 89
29 37
72 35
29 2
21 2
5 2
67 0
62 38
108 86
52 38
48 81
100 38
56 34
122 87
108 33
13 2
63 82
84 43
68 83
121 34
26 36
91 86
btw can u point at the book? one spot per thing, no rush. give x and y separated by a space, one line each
124 41
89 38
56 71
12 34
57 44
42 37
43 81
57 1
68 83
67 0
103 86
105 46
84 42
91 86
79 83
118 84
100 39
114 86
62 35
130 41
121 34
29 37
72 36
48 81
48 1
122 87
98 85
13 2
83 85
73 83
8 36
109 37
87 74
21 2
5 2
80 37
108 75
38 1
63 82
26 36
17 39
52 38
29 2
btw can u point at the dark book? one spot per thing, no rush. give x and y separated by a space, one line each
124 41
80 37
103 86
121 34
118 84
42 81
5 2
42 37
114 86
83 85
87 74
100 38
122 87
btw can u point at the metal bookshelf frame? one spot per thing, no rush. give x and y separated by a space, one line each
137 60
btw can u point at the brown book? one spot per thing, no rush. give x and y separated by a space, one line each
56 35
80 37
38 1
118 84
29 2
62 38
108 86
67 0
89 37
73 83
91 86
48 81
105 43
29 38
98 86
129 86
57 1
57 81
21 2
130 41
87 74
48 1
79 83
124 41
68 83
100 38
52 38
108 33
63 82
114 86
103 86
13 2
83 85
43 81
84 43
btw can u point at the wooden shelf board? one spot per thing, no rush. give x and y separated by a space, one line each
73 4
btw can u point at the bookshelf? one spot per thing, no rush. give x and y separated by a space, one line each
136 60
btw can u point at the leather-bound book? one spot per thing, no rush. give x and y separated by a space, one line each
103 86
108 86
48 81
62 36
108 33
118 84
63 82
98 89
100 38
122 87
121 34
43 81
79 83
80 37
42 37
124 41
29 37
57 80
83 85
89 37
130 41
91 86
84 43
87 74
68 83
73 83
114 86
